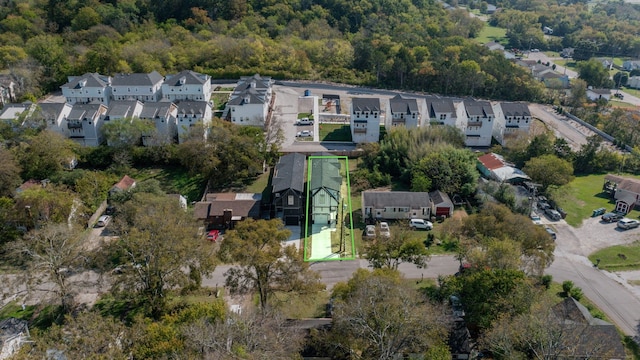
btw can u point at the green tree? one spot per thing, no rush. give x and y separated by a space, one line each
594 74
160 250
400 247
85 18
9 173
126 132
620 79
264 265
548 170
44 155
379 317
450 170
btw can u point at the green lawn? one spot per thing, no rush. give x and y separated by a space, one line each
334 132
569 64
634 92
491 33
584 194
622 104
262 185
219 100
619 257
174 180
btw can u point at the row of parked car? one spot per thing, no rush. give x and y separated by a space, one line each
622 222
385 231
550 209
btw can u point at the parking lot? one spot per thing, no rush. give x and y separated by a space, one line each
593 235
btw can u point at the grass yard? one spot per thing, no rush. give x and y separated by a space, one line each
261 185
174 180
634 92
622 105
219 100
295 306
583 195
569 64
334 132
619 257
492 33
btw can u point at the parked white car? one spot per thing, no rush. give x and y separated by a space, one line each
627 223
420 224
103 221
304 121
384 229
305 133
370 231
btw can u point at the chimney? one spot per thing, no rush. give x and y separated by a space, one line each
226 217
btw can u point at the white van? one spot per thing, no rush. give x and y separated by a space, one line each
420 224
103 220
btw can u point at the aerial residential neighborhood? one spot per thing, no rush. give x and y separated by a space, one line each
319 180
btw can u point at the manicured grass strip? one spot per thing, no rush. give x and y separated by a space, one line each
335 132
619 257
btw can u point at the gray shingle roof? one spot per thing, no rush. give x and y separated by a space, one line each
88 80
137 79
249 96
440 198
441 106
366 104
515 109
400 104
192 107
289 173
121 108
186 77
151 110
51 110
478 108
325 172
84 111
381 199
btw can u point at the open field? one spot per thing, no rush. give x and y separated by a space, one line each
619 257
491 33
174 181
583 195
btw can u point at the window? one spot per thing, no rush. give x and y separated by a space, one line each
290 200
322 198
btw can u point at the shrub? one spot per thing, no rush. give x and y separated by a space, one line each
567 286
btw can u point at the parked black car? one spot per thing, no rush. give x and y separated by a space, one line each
612 217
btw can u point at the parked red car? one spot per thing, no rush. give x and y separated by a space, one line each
213 235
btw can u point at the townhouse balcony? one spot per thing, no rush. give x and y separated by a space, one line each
75 124
512 126
360 130
398 122
475 123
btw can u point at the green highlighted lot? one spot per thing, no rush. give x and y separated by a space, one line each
329 224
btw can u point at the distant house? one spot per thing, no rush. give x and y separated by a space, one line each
634 82
287 192
90 87
597 94
125 184
445 112
365 120
491 9
511 118
395 205
137 86
182 201
403 111
55 116
190 114
630 65
584 336
606 62
479 123
324 190
441 204
13 333
85 123
494 167
626 192
163 115
492 45
567 52
7 89
552 79
121 109
187 85
250 102
224 210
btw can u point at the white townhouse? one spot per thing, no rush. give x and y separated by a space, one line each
191 113
55 116
511 119
479 123
138 86
250 102
85 123
442 111
90 87
403 111
365 120
186 85
164 117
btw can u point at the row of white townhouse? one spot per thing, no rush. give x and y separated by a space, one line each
478 120
174 104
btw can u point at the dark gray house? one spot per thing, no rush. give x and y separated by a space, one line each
287 188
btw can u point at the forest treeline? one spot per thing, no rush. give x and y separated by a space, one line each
404 44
